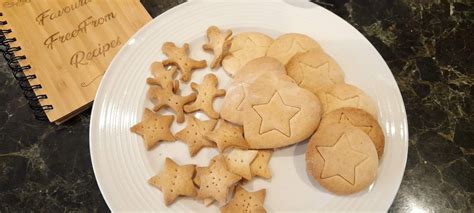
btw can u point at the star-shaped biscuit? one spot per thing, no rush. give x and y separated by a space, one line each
180 57
259 166
163 77
338 155
206 91
154 128
216 181
165 97
276 115
238 162
227 135
244 201
219 43
174 180
194 133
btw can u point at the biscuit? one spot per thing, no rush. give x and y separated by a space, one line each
261 69
280 116
314 70
259 166
342 158
238 162
180 57
194 133
174 180
216 181
162 97
287 45
219 43
245 201
227 135
245 47
206 92
154 128
345 95
163 77
360 119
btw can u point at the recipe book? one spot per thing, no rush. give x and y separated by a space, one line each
59 49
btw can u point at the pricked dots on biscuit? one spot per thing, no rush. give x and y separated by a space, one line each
162 97
206 92
180 57
193 134
174 181
219 43
238 162
259 166
154 128
163 77
227 135
245 201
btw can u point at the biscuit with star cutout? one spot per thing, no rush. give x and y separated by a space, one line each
345 95
287 45
227 135
280 116
174 180
342 158
193 134
360 119
165 97
314 70
238 162
245 201
219 43
206 93
245 47
180 57
154 128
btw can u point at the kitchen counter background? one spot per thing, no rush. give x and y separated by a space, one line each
428 45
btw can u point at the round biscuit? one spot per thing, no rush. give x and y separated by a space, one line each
287 45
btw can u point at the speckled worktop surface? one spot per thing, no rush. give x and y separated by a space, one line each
428 45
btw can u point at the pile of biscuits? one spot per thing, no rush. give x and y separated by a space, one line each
283 92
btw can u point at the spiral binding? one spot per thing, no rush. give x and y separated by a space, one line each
19 73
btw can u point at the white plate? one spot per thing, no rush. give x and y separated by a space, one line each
122 166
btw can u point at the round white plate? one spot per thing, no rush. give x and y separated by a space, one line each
122 166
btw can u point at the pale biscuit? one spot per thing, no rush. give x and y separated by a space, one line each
259 166
193 134
245 47
280 116
287 45
154 128
174 180
180 57
206 93
164 97
342 158
238 162
245 201
345 95
360 119
314 70
219 43
227 135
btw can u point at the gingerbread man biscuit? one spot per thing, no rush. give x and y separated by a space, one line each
219 44
207 91
163 77
165 97
180 57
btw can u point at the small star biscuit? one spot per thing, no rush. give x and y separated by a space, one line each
154 128
194 133
227 135
238 162
244 201
174 181
180 57
259 166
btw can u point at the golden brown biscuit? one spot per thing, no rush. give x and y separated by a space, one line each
163 77
287 45
314 70
193 134
245 47
227 135
259 166
206 92
154 128
174 180
219 43
244 201
360 119
345 95
238 162
180 57
162 97
342 158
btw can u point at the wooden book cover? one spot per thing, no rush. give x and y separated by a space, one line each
69 45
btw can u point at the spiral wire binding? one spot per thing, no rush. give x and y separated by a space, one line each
19 73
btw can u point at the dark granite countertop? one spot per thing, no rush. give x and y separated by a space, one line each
428 45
